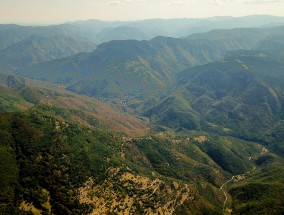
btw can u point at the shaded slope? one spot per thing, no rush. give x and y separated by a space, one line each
51 152
36 49
58 157
56 165
123 68
262 191
242 95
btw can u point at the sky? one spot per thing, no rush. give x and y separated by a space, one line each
60 11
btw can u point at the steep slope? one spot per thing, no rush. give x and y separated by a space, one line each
272 43
254 193
63 153
10 94
59 156
51 159
19 95
241 96
98 31
11 34
55 159
36 49
55 166
139 68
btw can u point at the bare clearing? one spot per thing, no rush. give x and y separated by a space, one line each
128 193
201 139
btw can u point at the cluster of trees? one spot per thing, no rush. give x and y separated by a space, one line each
39 153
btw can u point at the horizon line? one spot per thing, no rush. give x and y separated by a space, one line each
129 20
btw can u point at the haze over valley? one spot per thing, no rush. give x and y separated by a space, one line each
151 114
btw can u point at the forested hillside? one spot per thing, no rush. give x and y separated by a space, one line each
138 68
190 125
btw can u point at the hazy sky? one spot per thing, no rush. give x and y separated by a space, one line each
58 11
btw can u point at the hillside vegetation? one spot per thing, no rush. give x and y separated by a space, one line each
138 68
190 125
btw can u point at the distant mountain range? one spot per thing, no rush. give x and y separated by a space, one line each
179 117
36 49
132 68
227 81
26 45
97 31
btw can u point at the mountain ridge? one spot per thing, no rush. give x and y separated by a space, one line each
128 67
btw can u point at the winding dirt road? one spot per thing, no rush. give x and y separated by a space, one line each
234 176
